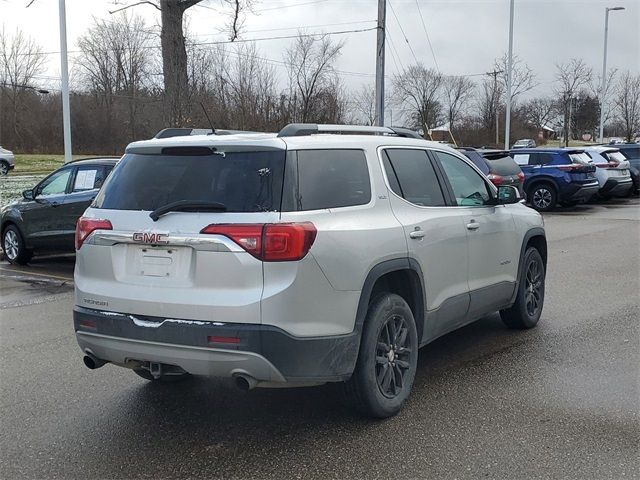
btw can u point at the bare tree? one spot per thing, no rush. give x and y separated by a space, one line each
174 51
419 89
538 112
523 78
572 77
364 105
627 101
310 62
115 62
21 60
488 104
606 103
458 91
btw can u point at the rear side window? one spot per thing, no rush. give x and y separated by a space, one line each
540 159
327 179
241 181
89 178
411 176
631 152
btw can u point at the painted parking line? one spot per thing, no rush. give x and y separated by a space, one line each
22 273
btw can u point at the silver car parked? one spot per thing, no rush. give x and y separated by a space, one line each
324 253
7 161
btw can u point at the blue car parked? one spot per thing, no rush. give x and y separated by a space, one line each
556 175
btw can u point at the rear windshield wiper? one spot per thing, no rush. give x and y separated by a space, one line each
187 206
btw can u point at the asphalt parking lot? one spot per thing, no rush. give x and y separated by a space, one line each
559 401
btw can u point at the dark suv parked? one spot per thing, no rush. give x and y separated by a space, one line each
498 166
45 219
556 175
631 151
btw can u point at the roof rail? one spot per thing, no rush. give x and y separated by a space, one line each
304 129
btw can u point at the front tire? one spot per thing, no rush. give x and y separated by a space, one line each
543 197
4 168
388 358
14 247
525 312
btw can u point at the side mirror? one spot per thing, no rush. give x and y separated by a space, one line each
508 195
28 195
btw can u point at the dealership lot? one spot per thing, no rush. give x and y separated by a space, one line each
561 400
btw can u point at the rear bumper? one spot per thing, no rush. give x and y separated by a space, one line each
617 186
581 192
263 352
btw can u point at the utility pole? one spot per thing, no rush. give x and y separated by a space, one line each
64 72
507 123
379 111
603 88
496 99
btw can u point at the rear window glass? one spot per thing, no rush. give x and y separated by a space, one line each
581 158
631 152
241 181
616 156
503 165
328 179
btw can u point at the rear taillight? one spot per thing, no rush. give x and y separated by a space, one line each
577 168
521 176
495 179
607 165
271 242
85 226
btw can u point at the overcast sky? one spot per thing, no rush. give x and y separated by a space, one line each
466 34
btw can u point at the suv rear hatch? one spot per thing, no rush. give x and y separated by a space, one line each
150 262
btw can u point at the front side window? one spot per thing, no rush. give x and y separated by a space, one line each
468 186
56 184
329 179
412 177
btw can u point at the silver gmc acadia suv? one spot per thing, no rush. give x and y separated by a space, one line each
323 253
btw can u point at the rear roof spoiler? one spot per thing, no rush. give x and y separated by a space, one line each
304 129
186 132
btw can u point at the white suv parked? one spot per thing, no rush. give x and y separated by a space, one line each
321 254
612 172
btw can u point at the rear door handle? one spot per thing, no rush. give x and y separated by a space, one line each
473 225
417 234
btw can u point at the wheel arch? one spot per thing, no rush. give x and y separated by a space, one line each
534 237
541 179
402 276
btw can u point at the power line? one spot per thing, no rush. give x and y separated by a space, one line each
427 34
402 30
299 27
223 42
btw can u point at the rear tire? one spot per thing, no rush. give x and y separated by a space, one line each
14 247
146 374
526 310
4 167
388 358
543 197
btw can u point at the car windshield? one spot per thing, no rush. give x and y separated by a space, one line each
241 181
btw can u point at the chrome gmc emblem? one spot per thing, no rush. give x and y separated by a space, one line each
149 237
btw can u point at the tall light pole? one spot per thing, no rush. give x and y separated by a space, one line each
379 110
507 122
603 88
64 72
